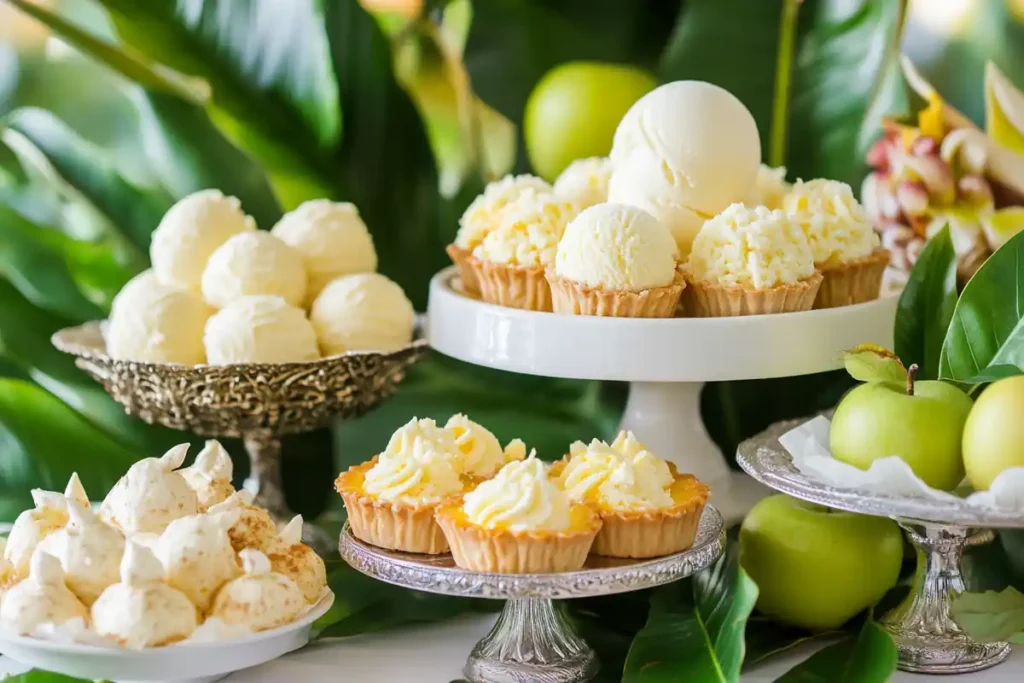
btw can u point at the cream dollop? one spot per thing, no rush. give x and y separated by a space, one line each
520 497
299 562
89 551
621 476
529 230
210 475
617 247
197 555
484 213
584 182
141 610
837 227
40 599
254 527
151 494
254 264
363 312
261 598
32 526
754 248
418 473
481 451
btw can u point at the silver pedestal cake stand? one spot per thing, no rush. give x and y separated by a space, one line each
927 639
257 402
532 641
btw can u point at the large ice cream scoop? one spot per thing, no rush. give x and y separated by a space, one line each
156 322
684 152
365 312
252 264
259 329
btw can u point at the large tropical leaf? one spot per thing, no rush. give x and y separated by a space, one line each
990 616
695 629
986 337
870 657
735 44
926 306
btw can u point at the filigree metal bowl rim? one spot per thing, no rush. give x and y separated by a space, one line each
406 571
764 458
60 341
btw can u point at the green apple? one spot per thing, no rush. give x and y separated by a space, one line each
921 422
994 434
816 567
574 110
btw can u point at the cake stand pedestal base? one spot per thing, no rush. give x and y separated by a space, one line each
927 639
666 416
532 642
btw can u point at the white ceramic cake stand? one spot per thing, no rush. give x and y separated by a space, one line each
666 362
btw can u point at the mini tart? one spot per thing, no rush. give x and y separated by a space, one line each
406 527
654 533
575 298
504 551
711 300
513 286
852 282
461 258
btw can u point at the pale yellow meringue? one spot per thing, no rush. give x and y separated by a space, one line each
89 551
210 475
141 610
485 212
40 599
521 497
151 495
8 577
197 555
254 527
261 598
299 562
32 526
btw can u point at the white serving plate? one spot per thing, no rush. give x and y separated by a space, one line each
192 662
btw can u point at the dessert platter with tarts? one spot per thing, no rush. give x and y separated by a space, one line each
174 577
668 269
508 526
238 332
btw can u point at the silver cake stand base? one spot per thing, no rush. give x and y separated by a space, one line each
533 641
926 637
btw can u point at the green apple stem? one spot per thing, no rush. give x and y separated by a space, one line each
911 376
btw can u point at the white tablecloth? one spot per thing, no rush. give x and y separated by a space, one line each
436 653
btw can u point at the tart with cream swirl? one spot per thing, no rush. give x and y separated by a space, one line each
648 508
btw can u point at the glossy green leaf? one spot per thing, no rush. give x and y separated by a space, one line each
988 324
695 629
38 676
45 441
766 638
870 363
134 210
268 66
926 306
870 657
990 616
734 43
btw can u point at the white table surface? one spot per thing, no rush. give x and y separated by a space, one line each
436 653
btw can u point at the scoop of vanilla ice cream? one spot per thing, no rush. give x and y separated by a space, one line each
684 151
261 598
253 528
259 329
89 551
485 212
584 182
618 247
770 187
159 323
197 555
529 231
251 264
190 232
332 239
141 610
364 312
837 227
151 495
210 475
299 562
31 526
754 248
40 599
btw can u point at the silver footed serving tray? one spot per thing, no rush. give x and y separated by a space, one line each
927 638
532 640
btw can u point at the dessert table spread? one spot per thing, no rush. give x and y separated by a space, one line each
435 653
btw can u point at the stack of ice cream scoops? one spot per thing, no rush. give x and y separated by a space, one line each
437 489
681 219
222 292
172 554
